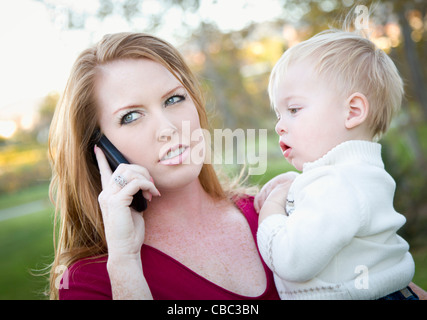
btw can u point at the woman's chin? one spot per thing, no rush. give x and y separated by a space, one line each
176 177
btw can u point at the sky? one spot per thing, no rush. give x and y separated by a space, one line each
37 53
35 57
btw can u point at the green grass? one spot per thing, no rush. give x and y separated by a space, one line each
420 257
26 246
36 192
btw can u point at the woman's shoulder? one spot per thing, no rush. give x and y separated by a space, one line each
245 203
86 279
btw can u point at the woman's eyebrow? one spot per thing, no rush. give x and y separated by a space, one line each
167 94
132 106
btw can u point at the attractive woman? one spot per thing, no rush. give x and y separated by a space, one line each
196 239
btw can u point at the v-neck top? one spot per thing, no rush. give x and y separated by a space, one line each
167 278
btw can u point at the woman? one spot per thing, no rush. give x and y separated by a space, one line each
195 240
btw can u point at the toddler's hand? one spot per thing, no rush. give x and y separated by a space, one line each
275 202
284 178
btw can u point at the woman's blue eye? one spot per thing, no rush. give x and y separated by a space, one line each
174 99
130 117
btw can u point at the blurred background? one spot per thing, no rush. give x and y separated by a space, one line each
231 46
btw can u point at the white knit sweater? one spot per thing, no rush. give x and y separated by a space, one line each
339 238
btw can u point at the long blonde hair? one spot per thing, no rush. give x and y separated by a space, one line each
76 184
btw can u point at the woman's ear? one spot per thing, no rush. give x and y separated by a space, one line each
357 110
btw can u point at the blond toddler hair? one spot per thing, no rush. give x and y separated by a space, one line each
349 63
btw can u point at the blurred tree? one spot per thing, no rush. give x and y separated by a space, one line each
46 110
236 105
23 159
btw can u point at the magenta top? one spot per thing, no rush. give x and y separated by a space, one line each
167 278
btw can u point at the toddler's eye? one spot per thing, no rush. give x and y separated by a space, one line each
293 109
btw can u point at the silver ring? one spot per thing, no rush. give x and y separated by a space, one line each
121 181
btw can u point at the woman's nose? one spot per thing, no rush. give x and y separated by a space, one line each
166 133
166 129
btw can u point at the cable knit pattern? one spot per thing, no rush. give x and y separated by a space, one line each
343 221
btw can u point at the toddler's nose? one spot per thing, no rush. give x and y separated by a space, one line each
280 128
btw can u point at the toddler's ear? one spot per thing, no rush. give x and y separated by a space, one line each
357 110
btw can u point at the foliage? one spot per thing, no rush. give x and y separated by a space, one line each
408 169
23 166
23 158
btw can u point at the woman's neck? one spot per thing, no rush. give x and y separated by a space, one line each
187 202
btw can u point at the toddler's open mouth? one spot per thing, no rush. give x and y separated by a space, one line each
286 150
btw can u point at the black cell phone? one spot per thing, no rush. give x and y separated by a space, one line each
114 158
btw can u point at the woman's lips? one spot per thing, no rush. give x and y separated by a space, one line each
175 155
286 150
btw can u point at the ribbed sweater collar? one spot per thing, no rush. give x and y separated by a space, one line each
353 151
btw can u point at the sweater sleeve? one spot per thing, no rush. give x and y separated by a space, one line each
328 214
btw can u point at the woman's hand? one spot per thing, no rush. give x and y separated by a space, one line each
124 227
421 293
284 178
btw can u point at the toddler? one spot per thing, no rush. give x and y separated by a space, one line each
333 235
